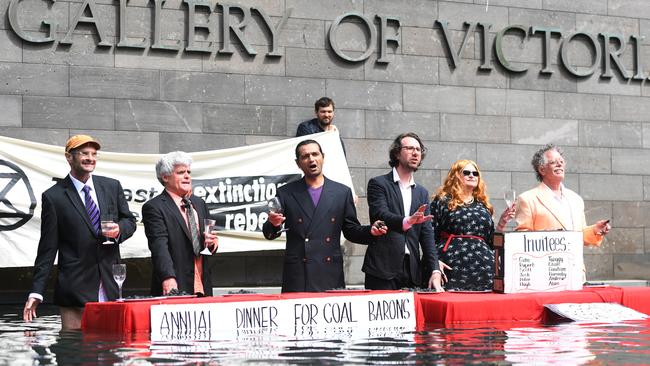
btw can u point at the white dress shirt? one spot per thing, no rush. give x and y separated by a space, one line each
407 194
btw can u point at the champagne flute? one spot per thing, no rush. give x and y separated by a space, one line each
208 227
276 207
510 196
119 275
107 225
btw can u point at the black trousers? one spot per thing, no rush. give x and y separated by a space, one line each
404 279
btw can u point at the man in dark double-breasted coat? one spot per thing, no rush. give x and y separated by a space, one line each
315 210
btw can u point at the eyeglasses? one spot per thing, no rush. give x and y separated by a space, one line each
472 172
410 149
86 154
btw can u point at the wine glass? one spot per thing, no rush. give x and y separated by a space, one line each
119 275
276 207
107 225
510 196
208 227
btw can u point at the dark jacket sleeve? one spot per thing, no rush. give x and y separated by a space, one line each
427 237
47 246
303 129
352 229
436 221
126 221
378 206
271 232
158 239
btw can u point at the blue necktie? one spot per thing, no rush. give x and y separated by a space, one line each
93 211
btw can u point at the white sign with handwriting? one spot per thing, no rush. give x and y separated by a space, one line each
543 261
295 317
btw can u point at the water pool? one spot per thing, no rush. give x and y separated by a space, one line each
42 343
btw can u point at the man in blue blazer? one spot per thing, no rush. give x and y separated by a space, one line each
393 261
70 218
315 212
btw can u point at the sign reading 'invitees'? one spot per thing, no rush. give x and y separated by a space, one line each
535 261
208 321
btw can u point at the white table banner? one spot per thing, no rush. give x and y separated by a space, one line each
365 315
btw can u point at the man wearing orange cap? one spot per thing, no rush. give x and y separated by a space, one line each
70 225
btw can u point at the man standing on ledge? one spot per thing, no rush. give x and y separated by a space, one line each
315 211
173 223
552 206
393 261
324 109
70 225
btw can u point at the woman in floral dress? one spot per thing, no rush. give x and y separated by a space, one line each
463 225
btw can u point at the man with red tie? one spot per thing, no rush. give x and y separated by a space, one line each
173 223
70 226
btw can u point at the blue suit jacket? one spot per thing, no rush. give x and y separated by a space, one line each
313 260
384 258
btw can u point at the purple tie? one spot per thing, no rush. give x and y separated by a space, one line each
93 211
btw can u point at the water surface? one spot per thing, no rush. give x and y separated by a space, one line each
42 343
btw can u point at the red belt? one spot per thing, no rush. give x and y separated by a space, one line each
450 237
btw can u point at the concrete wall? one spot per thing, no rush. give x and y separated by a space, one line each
154 101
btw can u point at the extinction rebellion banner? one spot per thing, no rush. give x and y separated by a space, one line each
235 183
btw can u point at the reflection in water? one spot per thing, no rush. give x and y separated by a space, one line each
513 343
539 346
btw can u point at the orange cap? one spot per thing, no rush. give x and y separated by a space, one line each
79 140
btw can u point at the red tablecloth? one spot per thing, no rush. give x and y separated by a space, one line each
452 308
444 308
637 298
133 316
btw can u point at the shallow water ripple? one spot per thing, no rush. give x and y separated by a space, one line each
42 343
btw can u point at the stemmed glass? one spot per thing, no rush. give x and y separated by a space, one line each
510 196
276 207
107 225
119 275
208 227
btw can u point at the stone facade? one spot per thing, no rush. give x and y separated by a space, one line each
148 99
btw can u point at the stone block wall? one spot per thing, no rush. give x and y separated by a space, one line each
154 100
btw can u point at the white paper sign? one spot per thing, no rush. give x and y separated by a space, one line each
306 317
535 261
596 312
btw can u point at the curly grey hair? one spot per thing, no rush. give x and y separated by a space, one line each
166 163
539 158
